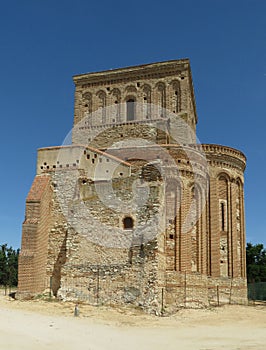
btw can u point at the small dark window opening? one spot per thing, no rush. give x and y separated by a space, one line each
130 255
128 223
130 109
142 251
92 161
171 236
88 156
222 216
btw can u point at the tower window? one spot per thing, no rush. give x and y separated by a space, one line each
128 223
131 109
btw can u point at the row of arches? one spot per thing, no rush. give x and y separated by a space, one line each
185 208
146 96
205 233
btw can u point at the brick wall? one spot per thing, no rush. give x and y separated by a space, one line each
34 247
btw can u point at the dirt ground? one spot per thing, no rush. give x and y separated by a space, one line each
45 325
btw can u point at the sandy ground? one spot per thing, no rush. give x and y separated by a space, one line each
39 325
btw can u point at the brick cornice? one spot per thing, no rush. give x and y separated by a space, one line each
134 72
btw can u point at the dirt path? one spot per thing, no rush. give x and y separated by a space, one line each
50 325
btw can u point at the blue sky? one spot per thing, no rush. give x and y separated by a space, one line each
44 43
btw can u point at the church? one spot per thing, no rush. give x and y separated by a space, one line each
132 209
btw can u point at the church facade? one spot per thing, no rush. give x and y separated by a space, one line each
132 209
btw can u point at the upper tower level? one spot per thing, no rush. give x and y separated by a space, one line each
135 95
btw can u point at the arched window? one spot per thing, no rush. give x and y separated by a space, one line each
116 95
146 101
131 109
102 97
176 96
128 223
161 98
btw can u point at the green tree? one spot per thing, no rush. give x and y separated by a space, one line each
3 265
256 263
8 265
12 266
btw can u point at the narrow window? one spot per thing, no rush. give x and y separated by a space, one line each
130 109
128 223
222 216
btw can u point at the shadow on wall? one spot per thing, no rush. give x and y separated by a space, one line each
61 260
